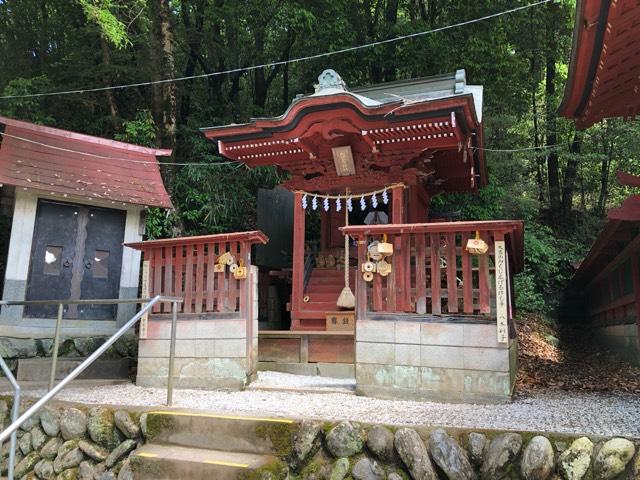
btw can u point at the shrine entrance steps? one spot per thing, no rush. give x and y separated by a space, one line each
321 294
197 445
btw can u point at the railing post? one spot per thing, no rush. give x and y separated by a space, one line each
172 352
15 412
56 346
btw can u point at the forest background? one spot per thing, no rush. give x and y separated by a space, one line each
559 180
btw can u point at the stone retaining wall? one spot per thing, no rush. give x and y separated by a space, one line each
13 349
74 443
355 452
94 443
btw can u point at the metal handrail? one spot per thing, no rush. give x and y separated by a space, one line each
103 348
15 411
61 304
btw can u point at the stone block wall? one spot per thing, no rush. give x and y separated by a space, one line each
431 359
214 351
621 338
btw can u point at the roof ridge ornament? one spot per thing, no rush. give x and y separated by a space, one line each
330 79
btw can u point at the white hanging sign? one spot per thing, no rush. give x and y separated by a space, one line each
502 295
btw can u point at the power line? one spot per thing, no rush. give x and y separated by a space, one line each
513 150
200 164
129 160
281 62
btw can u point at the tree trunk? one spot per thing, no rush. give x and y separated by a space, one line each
570 175
553 175
111 101
605 169
164 94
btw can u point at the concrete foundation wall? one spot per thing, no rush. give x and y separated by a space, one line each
437 360
209 353
214 352
621 338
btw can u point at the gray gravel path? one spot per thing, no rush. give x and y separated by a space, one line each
561 412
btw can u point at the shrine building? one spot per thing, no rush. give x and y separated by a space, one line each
363 276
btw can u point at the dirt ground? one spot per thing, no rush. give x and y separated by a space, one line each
553 357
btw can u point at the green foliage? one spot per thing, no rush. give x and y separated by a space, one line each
99 12
30 108
62 45
141 130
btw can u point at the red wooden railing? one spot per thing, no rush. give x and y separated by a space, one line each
432 272
184 267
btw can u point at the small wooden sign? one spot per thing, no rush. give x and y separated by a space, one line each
340 321
502 296
145 292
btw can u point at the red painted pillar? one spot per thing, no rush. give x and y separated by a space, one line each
297 263
397 204
398 273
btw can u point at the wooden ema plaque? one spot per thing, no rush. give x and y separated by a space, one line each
340 321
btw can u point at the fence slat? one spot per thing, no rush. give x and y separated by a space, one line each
232 291
452 267
188 281
421 275
211 276
483 272
434 240
157 277
467 277
222 280
406 284
392 279
199 277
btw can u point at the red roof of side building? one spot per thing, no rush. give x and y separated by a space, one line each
604 73
621 228
74 165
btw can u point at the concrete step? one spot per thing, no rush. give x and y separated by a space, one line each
170 462
216 432
38 369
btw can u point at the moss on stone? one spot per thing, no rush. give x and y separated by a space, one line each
157 423
280 435
275 470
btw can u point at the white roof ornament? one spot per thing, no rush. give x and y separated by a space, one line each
330 79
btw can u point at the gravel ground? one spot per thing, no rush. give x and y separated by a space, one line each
561 412
287 381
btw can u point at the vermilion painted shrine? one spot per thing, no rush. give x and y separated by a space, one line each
432 319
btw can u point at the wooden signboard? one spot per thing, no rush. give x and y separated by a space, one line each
145 294
340 321
502 296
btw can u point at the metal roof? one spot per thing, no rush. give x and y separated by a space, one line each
78 166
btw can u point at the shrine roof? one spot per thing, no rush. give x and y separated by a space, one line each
373 97
413 131
78 166
605 63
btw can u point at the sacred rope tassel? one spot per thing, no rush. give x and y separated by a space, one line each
304 201
314 202
385 196
338 204
374 201
349 204
325 204
363 205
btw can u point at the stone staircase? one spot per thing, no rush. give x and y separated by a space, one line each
196 445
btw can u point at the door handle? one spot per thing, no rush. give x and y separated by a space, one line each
66 263
87 264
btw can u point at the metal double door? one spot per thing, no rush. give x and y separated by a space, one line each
76 254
